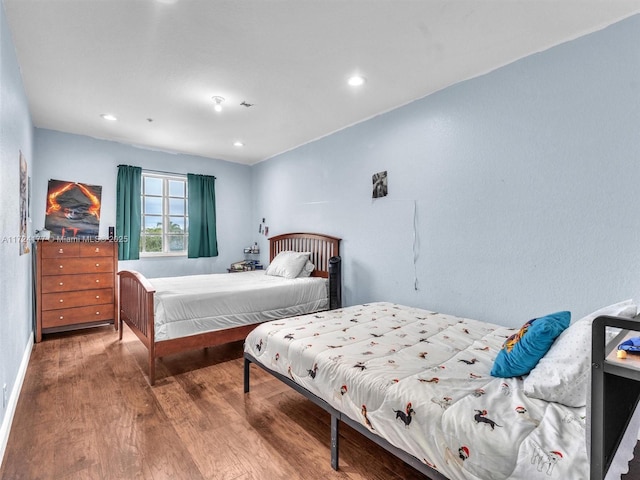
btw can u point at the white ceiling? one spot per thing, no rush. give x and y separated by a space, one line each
164 60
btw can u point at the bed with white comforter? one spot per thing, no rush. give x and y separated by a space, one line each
199 303
421 380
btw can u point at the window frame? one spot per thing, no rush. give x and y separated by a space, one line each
165 214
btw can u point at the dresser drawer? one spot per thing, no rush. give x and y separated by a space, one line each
70 316
65 266
59 249
86 281
56 301
96 249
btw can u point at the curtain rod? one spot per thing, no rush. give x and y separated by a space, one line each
169 173
156 171
177 174
163 172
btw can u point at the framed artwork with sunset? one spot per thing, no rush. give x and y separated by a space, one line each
73 209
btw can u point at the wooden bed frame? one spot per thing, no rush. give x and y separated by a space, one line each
137 299
615 397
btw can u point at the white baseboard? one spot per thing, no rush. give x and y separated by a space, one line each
13 399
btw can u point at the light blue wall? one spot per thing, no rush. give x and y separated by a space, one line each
524 183
16 135
63 156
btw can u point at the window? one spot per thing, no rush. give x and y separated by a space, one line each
164 215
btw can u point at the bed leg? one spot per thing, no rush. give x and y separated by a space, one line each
335 439
152 370
247 363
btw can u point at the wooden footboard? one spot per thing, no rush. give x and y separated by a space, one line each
136 310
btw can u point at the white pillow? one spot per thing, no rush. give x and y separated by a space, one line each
287 264
563 375
307 270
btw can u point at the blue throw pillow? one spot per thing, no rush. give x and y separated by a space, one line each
523 350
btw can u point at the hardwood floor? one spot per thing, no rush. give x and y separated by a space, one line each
86 411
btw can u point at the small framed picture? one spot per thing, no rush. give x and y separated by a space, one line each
379 184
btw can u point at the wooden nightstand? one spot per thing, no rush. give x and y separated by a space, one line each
248 266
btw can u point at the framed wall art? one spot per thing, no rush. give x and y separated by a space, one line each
73 209
24 208
379 184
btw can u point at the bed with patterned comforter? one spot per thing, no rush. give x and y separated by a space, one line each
421 380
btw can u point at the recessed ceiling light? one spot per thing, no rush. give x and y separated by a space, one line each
238 143
356 80
108 116
218 103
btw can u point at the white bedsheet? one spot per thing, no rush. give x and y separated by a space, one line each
198 303
421 380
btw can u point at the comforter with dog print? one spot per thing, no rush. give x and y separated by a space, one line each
421 380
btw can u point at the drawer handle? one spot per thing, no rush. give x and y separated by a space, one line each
97 249
97 281
97 264
61 301
61 317
61 283
97 296
61 251
60 266
97 313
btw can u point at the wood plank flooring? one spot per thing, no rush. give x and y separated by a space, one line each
86 411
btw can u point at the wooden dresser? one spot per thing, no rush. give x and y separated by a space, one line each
75 285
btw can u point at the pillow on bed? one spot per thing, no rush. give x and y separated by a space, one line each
522 351
307 270
563 375
287 264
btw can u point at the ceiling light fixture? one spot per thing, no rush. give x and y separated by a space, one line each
218 103
238 143
356 80
108 116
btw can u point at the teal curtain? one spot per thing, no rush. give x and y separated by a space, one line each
203 241
128 211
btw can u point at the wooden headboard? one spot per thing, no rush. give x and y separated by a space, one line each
321 247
